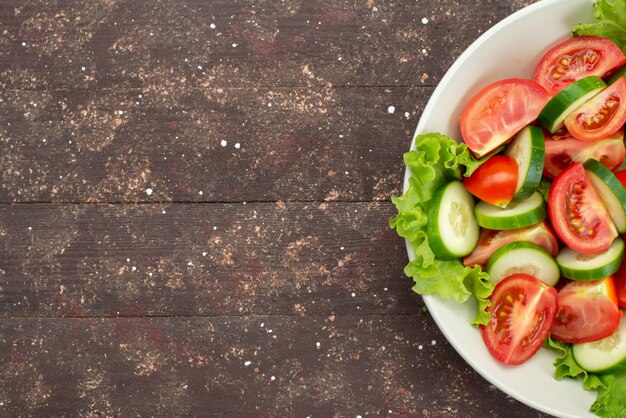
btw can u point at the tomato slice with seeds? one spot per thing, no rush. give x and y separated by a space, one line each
587 311
601 116
489 241
562 149
499 111
577 58
577 214
522 312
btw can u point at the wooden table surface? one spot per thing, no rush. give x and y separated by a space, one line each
194 206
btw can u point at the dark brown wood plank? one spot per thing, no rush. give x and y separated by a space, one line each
212 144
352 365
201 259
130 43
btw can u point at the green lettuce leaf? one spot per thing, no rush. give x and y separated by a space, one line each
437 160
611 23
565 365
465 159
611 401
451 279
477 281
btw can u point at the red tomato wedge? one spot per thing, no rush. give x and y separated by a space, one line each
587 311
620 284
577 58
495 181
499 111
489 241
522 312
601 116
577 214
559 154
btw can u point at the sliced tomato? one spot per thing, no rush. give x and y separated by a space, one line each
562 149
499 111
601 116
522 312
620 284
489 241
577 214
495 181
577 58
587 311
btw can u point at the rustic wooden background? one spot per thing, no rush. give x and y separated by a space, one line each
194 199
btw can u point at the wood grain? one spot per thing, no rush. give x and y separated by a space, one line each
129 43
219 145
201 259
254 366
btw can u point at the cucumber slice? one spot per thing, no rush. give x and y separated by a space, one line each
518 213
452 229
611 192
579 266
527 149
603 355
567 100
523 257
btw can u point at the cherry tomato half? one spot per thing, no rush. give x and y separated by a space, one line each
560 153
495 181
522 312
587 311
601 116
577 58
489 241
577 214
499 111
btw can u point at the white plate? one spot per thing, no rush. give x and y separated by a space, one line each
511 48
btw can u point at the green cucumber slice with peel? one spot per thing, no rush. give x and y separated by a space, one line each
610 190
579 266
518 213
523 257
528 150
567 100
603 355
452 229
